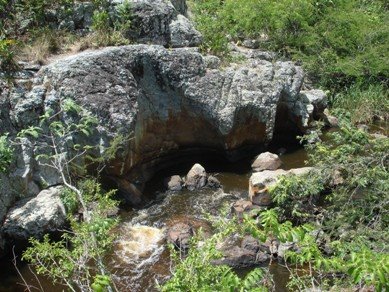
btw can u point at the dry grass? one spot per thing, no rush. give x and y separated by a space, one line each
47 44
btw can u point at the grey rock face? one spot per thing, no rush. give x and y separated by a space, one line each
266 161
162 22
183 34
163 100
212 62
151 21
167 99
35 216
196 178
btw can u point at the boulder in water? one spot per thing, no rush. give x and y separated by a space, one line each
241 207
174 183
266 161
196 178
238 257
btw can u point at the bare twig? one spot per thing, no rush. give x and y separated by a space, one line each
14 262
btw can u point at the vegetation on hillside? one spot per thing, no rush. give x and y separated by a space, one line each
338 41
342 44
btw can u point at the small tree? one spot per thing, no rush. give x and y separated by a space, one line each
76 260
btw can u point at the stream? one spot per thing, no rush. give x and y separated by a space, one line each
140 258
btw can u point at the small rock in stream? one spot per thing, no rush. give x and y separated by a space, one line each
180 235
196 178
213 182
174 183
266 161
239 257
261 181
241 207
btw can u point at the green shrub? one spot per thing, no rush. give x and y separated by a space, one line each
109 32
359 204
77 259
123 22
296 196
196 272
310 268
7 56
69 199
6 153
101 21
36 10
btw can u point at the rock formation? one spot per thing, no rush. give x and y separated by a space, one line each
166 102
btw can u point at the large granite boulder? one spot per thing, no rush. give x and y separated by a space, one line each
167 100
33 217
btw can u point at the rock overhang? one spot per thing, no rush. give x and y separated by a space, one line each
167 99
